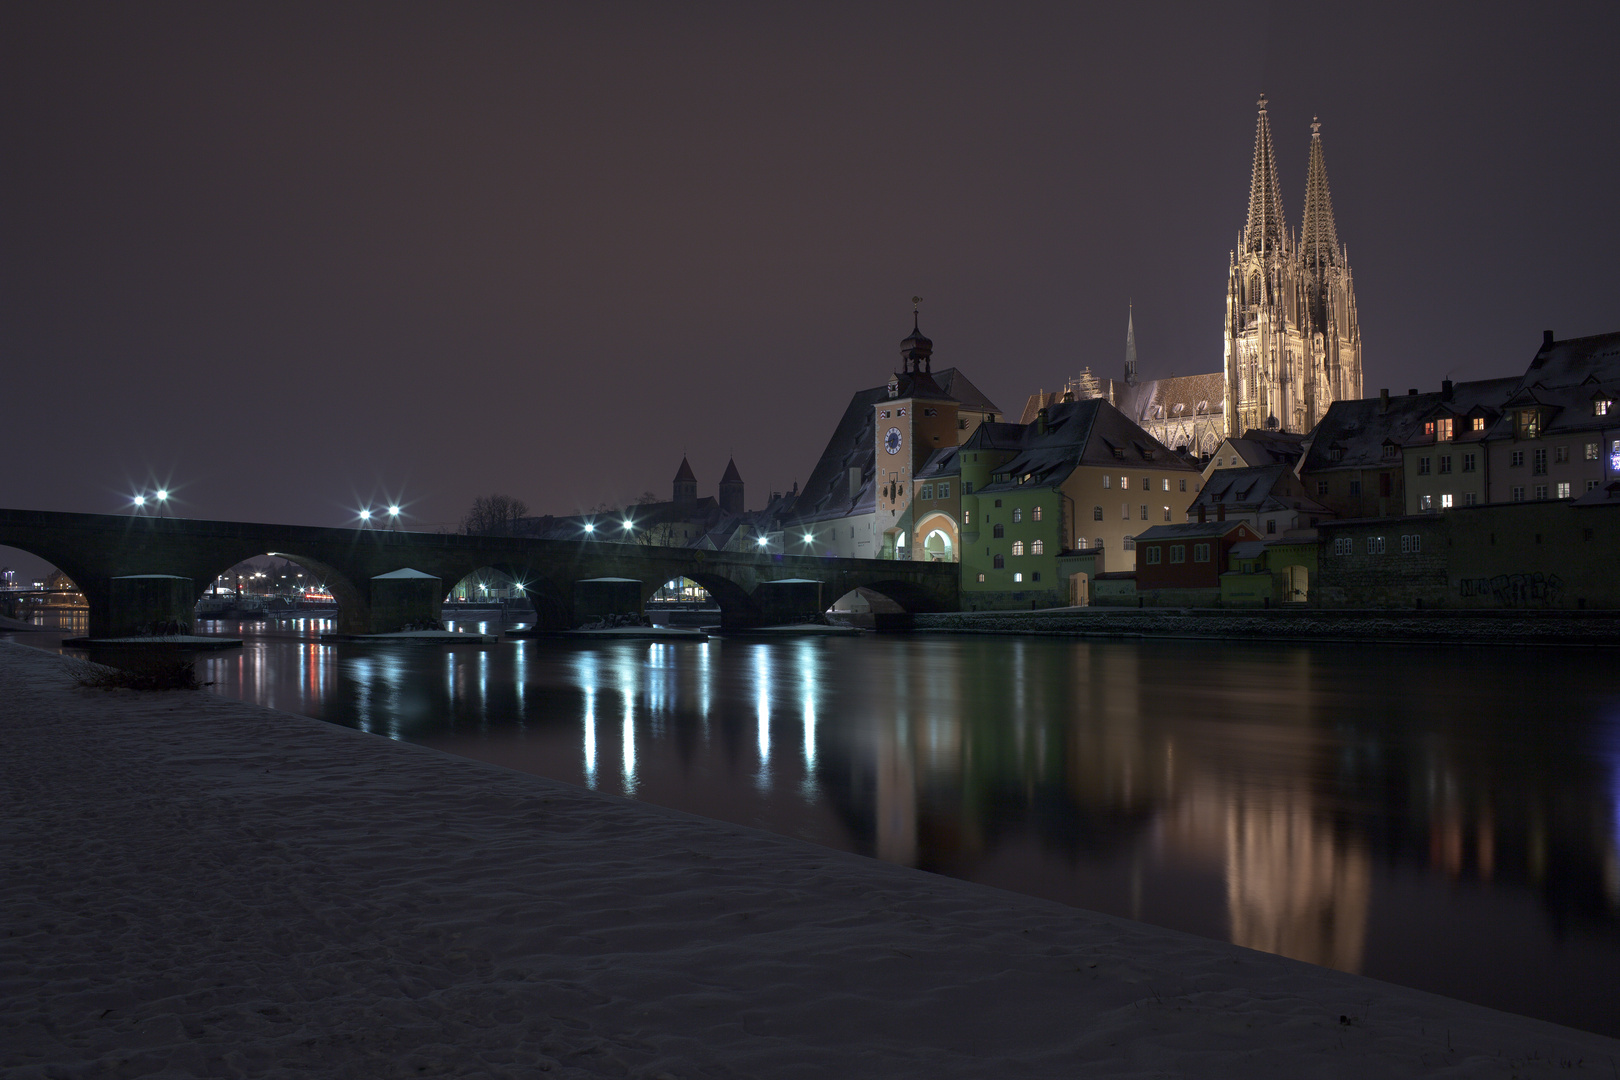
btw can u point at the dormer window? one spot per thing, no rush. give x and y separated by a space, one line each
1337 453
1479 423
1391 450
1442 429
1203 407
1601 406
1529 423
1428 429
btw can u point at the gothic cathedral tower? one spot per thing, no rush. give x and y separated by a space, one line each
1293 344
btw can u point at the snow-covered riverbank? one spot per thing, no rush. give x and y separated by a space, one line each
220 890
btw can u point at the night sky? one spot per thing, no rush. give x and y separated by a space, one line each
292 259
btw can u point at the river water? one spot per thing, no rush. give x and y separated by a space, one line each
1441 817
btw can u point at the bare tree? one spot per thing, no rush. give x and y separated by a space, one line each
494 515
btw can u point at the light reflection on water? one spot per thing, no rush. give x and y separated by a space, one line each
1445 818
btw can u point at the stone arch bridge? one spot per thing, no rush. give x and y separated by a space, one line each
109 555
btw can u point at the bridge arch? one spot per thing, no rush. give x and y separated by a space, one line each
354 607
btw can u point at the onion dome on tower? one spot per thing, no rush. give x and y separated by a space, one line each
916 351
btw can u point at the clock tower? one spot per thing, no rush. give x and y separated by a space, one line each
916 419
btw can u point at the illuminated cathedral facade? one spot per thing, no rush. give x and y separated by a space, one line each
1293 341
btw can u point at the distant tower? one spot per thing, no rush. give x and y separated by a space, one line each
1130 347
1293 343
731 489
685 483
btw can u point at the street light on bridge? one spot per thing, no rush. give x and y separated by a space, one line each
393 516
162 497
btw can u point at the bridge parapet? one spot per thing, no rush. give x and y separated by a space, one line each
92 549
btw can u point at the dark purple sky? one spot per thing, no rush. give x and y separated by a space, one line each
290 259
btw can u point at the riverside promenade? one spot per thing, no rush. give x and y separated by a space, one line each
195 887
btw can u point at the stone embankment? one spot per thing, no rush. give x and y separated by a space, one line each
1305 624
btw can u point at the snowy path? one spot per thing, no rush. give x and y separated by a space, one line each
196 887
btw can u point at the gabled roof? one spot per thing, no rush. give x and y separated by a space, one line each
946 461
685 472
1249 486
959 389
1569 362
1361 427
1076 433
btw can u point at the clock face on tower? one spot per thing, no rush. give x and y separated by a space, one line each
891 440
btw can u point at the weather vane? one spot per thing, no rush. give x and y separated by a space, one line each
915 300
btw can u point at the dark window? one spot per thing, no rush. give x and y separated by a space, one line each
1096 513
1423 466
999 562
1321 487
1445 463
998 503
1383 484
1468 463
998 531
1355 487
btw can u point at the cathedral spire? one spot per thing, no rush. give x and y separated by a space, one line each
1319 237
1264 232
1130 347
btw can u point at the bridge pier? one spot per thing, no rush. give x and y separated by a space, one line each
406 599
144 604
597 598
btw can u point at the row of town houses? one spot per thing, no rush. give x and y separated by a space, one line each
1500 492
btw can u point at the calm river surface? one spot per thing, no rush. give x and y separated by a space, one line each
1441 817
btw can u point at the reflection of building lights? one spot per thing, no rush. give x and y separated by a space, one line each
762 684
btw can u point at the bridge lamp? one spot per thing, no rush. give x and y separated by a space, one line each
628 525
590 527
809 538
393 516
365 515
763 541
139 500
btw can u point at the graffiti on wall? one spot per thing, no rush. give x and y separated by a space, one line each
1514 590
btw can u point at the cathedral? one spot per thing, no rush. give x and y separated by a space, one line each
1292 339
1293 342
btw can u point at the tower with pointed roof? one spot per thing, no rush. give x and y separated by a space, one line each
1293 344
731 489
685 483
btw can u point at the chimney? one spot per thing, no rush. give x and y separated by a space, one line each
1445 389
1040 422
1201 513
1546 339
1383 400
1220 511
1412 392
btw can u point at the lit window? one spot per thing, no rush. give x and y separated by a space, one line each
1530 423
1425 502
1442 430
1594 451
1167 513
981 579
1479 423
1108 481
1018 577
1601 407
1167 483
1035 514
1124 483
1018 547
1428 429
1096 513
1563 490
1178 553
967 517
1391 450
1037 547
1445 501
1018 514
